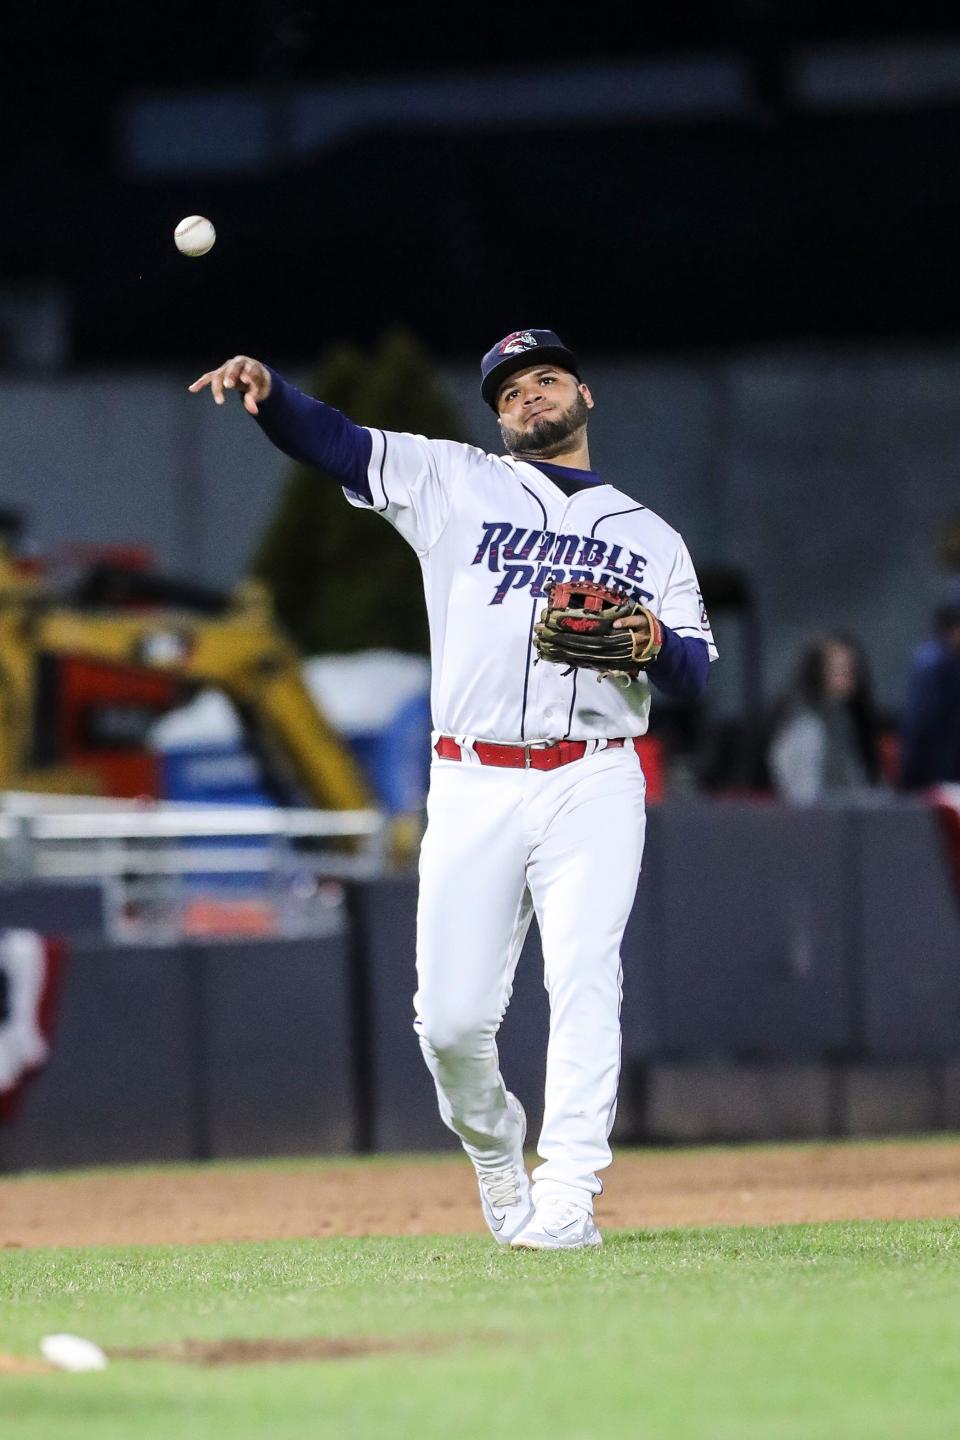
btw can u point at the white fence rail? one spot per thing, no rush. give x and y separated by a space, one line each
170 870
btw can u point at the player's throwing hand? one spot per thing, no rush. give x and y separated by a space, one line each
241 373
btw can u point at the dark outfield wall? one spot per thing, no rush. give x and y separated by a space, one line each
761 936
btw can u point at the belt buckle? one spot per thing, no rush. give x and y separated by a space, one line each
535 745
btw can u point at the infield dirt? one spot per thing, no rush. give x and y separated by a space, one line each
431 1196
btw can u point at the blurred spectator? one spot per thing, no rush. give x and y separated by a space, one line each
824 737
930 738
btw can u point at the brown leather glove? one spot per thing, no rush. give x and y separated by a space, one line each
577 630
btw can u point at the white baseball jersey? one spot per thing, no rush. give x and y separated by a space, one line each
492 534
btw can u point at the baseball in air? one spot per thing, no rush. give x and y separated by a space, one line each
194 235
72 1352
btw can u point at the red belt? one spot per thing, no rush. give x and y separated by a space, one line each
521 757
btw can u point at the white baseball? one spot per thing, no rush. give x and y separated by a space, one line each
194 235
72 1352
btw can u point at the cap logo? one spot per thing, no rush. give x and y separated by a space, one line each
520 340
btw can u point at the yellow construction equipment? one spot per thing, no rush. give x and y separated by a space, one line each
154 634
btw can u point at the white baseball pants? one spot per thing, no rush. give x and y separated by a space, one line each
500 845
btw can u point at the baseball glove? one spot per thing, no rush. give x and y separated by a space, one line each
576 630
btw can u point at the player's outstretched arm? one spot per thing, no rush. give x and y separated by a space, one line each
242 373
306 429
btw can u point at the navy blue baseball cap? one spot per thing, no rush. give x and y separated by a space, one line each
519 351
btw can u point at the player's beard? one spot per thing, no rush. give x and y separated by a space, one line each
549 435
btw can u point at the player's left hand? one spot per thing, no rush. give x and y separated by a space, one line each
583 627
647 636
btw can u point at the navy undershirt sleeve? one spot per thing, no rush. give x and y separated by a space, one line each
316 434
682 667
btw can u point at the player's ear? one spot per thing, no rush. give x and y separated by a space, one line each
585 392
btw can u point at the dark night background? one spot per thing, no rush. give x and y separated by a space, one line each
778 221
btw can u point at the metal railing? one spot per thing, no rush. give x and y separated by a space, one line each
169 871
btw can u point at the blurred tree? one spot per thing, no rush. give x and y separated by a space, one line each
343 580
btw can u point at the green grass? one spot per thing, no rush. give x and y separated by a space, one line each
841 1331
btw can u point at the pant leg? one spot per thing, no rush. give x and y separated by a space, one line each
472 917
583 878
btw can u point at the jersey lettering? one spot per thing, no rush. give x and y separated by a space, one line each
518 577
510 550
565 550
514 578
503 544
493 534
592 552
541 581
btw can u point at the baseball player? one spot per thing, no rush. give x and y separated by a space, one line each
536 802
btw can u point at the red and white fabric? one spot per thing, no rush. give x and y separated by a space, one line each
31 967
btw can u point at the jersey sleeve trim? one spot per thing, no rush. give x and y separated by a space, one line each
375 472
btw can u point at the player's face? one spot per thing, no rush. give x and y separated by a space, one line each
541 410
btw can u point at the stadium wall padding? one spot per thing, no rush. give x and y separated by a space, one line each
67 909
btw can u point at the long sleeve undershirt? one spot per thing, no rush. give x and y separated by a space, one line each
318 435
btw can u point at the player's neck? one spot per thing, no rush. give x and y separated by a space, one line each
575 458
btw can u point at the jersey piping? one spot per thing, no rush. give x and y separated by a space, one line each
383 458
573 701
612 515
533 613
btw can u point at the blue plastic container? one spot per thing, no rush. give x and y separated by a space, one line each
396 760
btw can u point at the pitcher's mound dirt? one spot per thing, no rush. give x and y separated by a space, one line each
437 1196
212 1353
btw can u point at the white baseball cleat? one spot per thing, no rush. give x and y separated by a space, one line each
558 1224
505 1189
